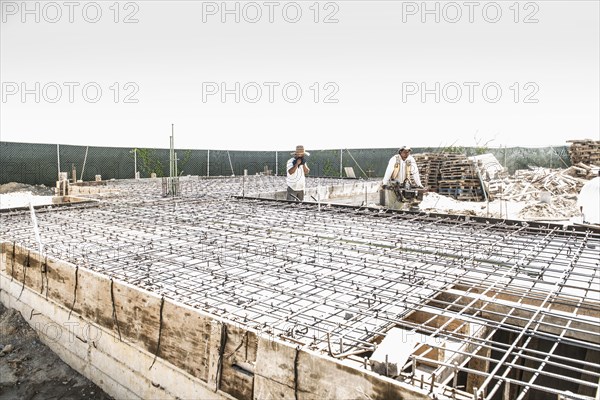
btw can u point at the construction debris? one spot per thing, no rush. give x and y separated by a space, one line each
582 170
536 183
559 208
488 165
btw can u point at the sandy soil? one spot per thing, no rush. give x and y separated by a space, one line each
14 194
30 370
39 190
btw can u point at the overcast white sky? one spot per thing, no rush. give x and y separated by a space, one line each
506 73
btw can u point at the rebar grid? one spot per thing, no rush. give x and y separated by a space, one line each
338 279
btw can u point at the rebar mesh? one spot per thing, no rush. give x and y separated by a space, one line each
337 280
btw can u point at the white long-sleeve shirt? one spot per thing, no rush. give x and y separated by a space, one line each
403 173
296 181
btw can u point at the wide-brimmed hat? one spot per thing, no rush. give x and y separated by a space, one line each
300 150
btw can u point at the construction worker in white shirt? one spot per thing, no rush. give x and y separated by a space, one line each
402 169
296 171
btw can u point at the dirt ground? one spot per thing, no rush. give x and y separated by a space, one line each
29 370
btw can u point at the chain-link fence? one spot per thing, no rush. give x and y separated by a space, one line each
39 163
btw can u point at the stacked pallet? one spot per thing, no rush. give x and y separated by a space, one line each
584 151
460 180
450 174
430 165
427 172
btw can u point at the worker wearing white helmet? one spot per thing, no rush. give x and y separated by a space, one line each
402 168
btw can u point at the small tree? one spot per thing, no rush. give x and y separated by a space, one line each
328 169
186 158
149 162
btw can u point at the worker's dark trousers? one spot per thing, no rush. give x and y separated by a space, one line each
297 195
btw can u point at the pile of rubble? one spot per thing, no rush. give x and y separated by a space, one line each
550 193
544 193
582 170
559 209
536 183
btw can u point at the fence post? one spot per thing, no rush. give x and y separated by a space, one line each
58 159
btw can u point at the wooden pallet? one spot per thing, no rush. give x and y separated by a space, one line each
586 151
450 174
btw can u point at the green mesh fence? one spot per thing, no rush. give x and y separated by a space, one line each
38 163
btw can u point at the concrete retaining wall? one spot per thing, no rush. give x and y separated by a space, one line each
353 192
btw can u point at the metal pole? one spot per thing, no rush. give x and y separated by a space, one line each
207 163
173 150
276 164
341 162
170 156
84 160
58 159
230 164
135 175
318 194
